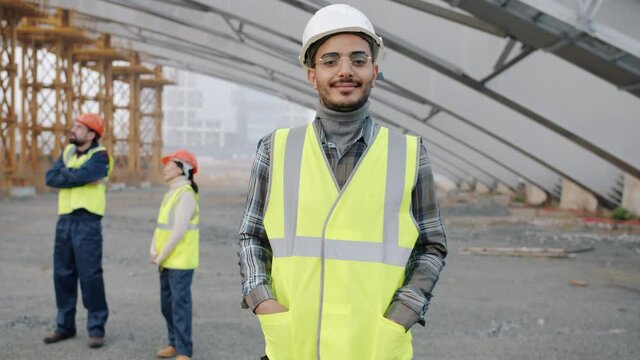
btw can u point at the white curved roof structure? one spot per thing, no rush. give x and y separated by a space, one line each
501 90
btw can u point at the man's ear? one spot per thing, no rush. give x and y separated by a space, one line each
91 135
311 77
375 74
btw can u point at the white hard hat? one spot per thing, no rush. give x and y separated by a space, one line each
338 18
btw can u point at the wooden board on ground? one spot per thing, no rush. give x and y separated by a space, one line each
515 251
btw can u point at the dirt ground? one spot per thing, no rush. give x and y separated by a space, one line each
485 307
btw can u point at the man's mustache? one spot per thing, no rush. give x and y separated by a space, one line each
346 81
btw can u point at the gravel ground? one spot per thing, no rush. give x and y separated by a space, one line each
484 307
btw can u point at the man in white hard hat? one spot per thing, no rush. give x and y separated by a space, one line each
341 242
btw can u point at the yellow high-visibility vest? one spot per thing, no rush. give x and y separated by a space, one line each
186 254
91 197
338 255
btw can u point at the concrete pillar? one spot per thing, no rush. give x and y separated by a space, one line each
631 194
464 186
504 189
444 184
534 195
575 197
482 188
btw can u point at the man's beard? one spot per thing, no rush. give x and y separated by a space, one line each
344 107
77 142
349 106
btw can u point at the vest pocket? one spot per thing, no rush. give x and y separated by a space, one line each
277 330
394 343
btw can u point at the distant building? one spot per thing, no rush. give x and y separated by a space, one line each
186 119
217 118
259 114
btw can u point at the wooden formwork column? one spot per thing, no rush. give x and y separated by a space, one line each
134 119
63 88
8 68
126 118
151 124
158 117
106 106
29 117
10 14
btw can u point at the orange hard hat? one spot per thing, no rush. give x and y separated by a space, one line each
182 155
93 122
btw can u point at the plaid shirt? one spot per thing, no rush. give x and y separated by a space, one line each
411 301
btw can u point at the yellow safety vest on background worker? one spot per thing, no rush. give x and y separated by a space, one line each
186 254
92 196
338 255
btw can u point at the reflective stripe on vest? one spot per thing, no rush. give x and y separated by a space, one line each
339 255
90 196
186 253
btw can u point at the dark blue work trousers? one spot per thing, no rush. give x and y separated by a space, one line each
77 256
175 301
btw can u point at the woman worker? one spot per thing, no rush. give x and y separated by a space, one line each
174 249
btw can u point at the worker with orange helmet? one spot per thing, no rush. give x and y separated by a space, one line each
175 250
80 173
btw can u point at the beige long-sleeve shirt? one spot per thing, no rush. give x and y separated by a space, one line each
185 208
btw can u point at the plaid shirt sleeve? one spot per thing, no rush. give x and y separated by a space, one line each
254 250
411 301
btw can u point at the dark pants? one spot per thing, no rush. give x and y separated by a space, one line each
77 256
175 300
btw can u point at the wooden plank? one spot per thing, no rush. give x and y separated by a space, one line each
515 251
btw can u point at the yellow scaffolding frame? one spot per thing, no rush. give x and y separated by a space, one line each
47 70
11 11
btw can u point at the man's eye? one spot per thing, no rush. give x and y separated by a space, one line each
359 59
329 62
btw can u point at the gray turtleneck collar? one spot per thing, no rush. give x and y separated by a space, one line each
342 129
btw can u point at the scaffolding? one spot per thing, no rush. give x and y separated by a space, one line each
47 90
63 72
93 83
151 117
126 118
11 11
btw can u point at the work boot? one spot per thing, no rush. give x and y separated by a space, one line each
96 342
183 357
167 352
56 336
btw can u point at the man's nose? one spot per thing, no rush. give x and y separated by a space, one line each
344 67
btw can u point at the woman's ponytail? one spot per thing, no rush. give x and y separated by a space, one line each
194 186
189 175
